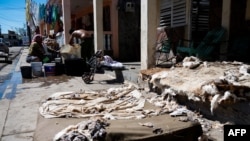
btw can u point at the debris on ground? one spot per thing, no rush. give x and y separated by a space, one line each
92 129
221 85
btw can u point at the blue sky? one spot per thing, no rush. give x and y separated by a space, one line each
12 14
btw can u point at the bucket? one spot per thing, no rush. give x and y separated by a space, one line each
26 71
36 68
60 69
58 60
50 69
75 67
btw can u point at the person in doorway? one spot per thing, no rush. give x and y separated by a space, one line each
36 50
87 45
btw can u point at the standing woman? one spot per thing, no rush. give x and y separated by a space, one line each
36 50
87 43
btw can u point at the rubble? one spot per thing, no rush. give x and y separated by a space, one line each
218 84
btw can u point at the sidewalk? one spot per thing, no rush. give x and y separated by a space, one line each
20 119
22 98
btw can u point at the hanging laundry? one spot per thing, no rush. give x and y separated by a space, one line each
54 13
28 10
48 14
41 12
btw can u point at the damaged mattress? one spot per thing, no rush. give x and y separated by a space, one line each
129 115
114 103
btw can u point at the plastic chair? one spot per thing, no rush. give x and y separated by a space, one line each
206 47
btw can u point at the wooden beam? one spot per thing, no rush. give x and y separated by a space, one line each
89 9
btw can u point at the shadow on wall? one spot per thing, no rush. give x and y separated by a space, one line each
239 49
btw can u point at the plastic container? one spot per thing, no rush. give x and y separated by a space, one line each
58 60
60 69
26 72
37 68
49 69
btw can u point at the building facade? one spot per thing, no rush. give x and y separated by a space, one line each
127 28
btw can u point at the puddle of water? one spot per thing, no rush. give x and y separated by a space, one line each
3 87
14 81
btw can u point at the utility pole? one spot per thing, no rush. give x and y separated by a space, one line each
0 31
28 27
28 32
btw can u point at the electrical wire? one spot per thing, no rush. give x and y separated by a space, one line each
12 8
10 20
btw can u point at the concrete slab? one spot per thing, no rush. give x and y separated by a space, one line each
28 98
47 128
19 137
21 120
4 104
126 129
3 114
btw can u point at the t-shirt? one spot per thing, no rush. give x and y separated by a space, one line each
36 50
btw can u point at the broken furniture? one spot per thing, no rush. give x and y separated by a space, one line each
130 114
163 52
206 47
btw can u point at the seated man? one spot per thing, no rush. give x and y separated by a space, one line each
36 50
51 47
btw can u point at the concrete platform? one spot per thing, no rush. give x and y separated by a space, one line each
127 129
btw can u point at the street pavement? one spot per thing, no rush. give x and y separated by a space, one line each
20 98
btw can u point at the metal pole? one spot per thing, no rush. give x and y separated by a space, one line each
28 32
0 31
28 27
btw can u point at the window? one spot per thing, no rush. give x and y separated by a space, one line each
173 13
200 15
